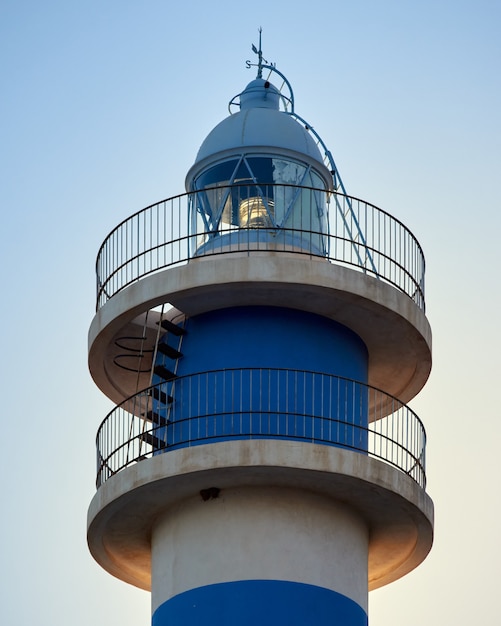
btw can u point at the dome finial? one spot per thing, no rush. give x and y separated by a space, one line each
260 56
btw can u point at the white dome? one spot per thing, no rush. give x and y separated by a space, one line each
258 128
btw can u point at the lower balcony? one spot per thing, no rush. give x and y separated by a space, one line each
260 403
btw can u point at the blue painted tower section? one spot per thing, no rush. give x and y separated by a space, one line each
295 374
263 602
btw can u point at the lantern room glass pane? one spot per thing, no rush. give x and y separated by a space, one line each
276 194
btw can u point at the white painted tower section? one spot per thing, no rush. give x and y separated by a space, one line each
320 542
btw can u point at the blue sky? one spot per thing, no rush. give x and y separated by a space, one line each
103 108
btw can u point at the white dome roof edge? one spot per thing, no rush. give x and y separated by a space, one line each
258 150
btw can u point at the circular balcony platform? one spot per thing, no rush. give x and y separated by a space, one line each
394 329
398 513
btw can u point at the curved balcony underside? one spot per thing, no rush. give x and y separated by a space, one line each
395 331
398 513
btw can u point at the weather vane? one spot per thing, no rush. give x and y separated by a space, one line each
260 56
261 61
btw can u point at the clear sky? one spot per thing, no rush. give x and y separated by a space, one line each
103 107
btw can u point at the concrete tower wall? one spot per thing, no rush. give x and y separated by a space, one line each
260 556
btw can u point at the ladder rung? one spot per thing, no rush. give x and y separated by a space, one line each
169 351
161 396
155 442
172 328
163 372
155 418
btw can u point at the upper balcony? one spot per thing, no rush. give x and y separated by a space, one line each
283 219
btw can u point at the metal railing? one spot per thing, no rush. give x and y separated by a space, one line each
355 234
260 403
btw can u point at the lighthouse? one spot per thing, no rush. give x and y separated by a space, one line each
260 336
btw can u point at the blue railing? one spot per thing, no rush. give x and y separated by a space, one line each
355 234
261 403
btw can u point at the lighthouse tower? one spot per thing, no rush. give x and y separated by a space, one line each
260 336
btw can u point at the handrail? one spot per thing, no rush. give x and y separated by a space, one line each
258 403
161 236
